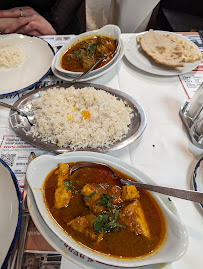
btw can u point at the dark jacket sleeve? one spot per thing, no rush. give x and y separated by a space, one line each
67 16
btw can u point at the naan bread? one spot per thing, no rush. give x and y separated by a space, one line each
169 50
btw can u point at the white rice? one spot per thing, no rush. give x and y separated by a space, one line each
59 118
11 56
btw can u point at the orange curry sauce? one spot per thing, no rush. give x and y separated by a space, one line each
86 52
120 242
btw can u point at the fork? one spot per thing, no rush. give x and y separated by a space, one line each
28 114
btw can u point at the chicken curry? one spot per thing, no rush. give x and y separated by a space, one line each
96 210
85 53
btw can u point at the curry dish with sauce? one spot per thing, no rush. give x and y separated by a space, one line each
96 210
85 53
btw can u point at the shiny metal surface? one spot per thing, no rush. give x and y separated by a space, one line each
29 114
24 221
137 126
191 120
90 164
183 194
87 71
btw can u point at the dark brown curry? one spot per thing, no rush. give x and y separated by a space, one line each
94 208
86 52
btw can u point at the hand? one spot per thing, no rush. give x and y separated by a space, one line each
33 32
5 23
26 21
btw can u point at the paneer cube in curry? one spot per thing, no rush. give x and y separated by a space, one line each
133 217
62 196
84 225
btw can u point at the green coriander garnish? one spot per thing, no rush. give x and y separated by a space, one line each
105 200
68 184
106 222
90 49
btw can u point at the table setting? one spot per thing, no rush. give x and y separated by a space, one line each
137 114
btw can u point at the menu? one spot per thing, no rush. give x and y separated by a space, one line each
192 80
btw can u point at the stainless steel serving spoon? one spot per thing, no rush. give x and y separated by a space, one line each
183 194
96 63
28 114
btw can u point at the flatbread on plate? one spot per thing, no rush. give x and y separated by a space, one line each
168 50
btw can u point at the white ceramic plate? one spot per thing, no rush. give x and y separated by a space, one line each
140 59
197 177
38 58
108 30
41 166
10 212
91 76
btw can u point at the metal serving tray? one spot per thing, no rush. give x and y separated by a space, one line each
137 126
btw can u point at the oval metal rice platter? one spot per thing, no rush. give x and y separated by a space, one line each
136 128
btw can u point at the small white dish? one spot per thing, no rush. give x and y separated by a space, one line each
91 76
10 212
108 30
36 65
141 60
174 245
197 177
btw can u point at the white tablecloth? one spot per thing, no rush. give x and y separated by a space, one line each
164 151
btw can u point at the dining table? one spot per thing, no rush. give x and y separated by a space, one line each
164 151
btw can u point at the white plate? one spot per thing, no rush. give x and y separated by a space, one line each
140 59
197 177
90 76
38 57
41 166
10 212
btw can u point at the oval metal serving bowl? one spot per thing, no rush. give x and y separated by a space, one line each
136 128
108 30
176 239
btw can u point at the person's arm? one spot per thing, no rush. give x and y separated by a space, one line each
61 18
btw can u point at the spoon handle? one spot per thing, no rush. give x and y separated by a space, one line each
95 64
183 194
87 71
11 107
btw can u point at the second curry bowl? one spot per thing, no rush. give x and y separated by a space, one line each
173 243
82 51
